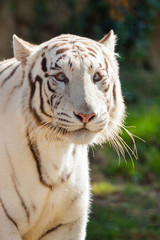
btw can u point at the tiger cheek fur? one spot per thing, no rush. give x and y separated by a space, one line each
56 99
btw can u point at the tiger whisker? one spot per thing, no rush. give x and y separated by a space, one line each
131 136
118 144
34 132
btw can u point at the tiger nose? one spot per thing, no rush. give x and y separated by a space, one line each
84 118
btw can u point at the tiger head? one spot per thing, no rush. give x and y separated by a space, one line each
73 87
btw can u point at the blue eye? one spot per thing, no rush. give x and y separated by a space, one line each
97 77
61 77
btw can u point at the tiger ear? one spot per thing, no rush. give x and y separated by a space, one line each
109 41
21 48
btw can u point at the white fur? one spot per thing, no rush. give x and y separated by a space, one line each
62 201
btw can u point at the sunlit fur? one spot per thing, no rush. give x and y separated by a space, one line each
44 181
80 94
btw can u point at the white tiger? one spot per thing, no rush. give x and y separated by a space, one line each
56 99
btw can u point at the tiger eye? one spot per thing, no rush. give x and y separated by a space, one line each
97 77
61 77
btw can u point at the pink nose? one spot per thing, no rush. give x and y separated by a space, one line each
85 118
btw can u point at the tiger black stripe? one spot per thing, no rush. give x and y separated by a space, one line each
57 66
61 57
39 79
10 75
64 120
16 189
38 119
50 231
7 214
106 90
44 64
114 92
64 114
3 70
36 116
70 63
49 87
35 153
21 200
63 125
52 98
57 102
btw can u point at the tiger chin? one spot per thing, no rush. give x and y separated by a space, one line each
56 99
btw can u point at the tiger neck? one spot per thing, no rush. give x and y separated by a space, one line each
57 161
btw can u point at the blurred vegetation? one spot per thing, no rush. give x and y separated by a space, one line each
126 202
126 198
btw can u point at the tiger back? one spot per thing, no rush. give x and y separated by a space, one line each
56 99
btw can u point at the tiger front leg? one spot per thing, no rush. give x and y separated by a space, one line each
71 231
8 227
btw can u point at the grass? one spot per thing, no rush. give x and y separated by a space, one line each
103 188
127 212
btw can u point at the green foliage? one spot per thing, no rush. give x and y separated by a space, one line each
147 122
41 15
117 223
152 157
132 22
147 167
140 86
103 188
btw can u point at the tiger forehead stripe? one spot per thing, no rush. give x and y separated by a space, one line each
90 49
89 44
80 48
58 44
70 63
61 57
62 50
92 54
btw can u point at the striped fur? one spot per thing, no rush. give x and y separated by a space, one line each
45 90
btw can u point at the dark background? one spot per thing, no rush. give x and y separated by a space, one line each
126 198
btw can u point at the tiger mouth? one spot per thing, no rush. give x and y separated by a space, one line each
82 130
